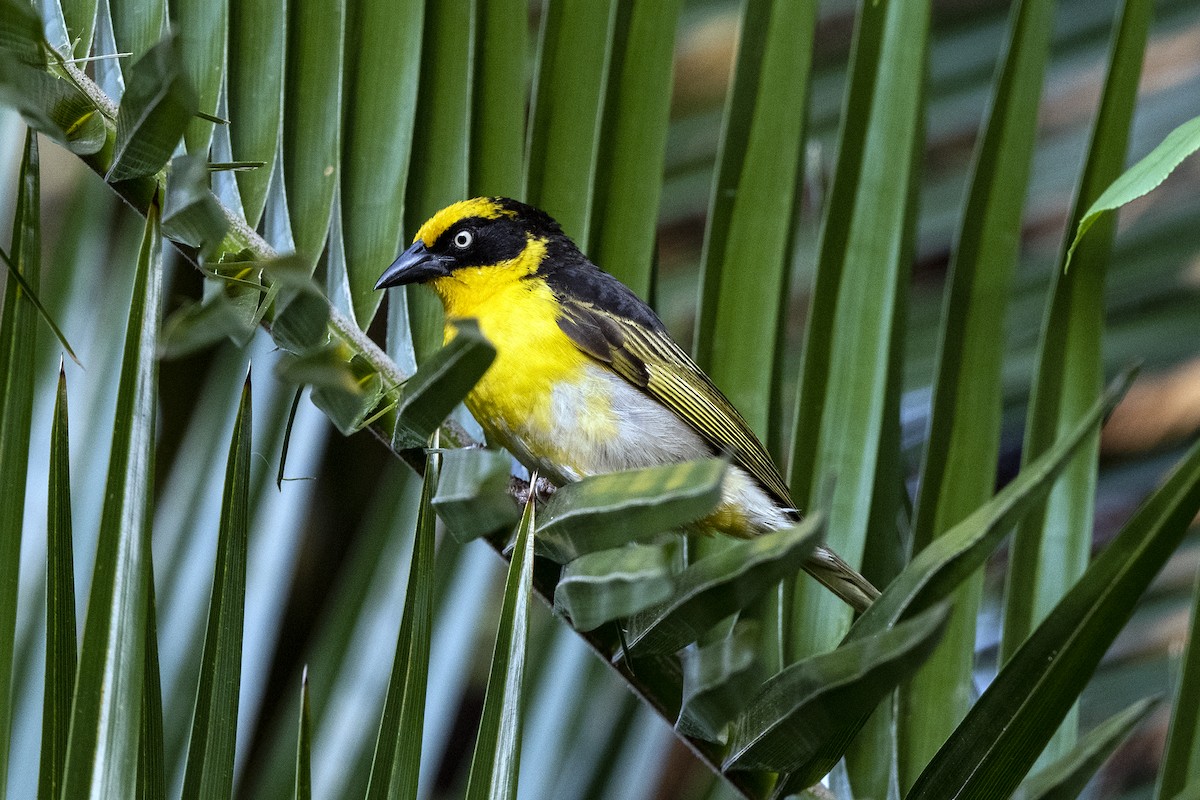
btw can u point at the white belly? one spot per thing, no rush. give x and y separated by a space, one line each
622 429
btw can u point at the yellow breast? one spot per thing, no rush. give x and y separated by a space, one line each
519 399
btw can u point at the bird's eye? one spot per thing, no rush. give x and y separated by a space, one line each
462 240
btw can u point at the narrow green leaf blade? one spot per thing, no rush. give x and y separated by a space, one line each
501 90
1003 733
106 712
61 647
720 584
438 168
157 106
1181 758
612 584
745 250
1069 367
1142 178
440 384
800 709
41 309
1065 778
18 340
495 763
302 788
137 26
152 769
472 495
202 27
940 568
633 141
568 104
383 61
861 350
312 121
1070 372
258 36
610 510
209 772
959 469
396 765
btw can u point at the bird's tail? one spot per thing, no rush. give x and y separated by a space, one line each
840 578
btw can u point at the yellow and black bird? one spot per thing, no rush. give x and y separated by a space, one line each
586 379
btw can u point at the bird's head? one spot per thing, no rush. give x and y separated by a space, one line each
480 240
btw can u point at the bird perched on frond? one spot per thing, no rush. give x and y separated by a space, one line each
586 379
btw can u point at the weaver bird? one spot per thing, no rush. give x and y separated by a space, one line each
586 379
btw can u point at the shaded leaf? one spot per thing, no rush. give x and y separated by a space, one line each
1065 778
396 764
472 496
191 213
611 584
382 62
440 384
1180 764
152 770
303 783
745 251
258 36
937 570
107 708
803 707
633 141
1003 733
155 110
495 763
31 295
209 771
565 121
606 511
959 463
18 340
719 680
61 646
202 27
720 584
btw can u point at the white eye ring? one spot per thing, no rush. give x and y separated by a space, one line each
462 239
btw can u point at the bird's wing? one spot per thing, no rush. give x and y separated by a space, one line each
649 359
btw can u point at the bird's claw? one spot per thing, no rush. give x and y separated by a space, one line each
519 489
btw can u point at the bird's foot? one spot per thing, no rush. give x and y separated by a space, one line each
520 490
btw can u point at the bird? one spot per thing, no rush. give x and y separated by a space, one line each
586 379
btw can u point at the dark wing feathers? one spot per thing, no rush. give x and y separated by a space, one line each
647 357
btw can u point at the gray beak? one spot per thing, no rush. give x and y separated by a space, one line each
414 265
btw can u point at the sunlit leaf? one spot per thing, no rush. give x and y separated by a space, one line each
1142 178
